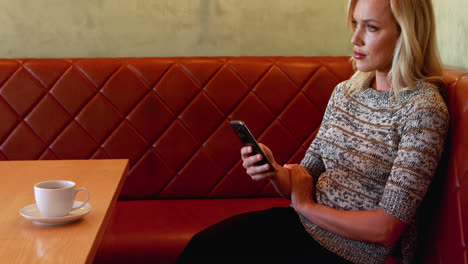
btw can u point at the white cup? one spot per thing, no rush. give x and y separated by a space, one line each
55 198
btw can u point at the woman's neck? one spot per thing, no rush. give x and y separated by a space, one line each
380 82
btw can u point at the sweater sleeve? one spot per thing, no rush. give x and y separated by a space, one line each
313 158
419 151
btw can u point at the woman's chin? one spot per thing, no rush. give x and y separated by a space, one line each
363 68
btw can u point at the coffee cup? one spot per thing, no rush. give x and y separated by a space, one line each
56 198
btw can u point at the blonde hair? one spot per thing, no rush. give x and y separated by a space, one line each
416 56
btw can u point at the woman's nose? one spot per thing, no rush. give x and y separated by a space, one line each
357 38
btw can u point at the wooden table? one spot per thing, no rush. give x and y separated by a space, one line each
23 241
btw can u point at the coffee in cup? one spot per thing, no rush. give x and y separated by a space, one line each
56 198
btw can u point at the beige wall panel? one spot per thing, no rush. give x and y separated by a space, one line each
137 28
452 22
118 28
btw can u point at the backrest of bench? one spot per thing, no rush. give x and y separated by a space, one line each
168 116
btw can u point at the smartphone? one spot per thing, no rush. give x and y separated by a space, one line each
248 139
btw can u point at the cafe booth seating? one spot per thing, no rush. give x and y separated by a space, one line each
170 118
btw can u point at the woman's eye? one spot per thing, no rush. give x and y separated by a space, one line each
372 28
355 24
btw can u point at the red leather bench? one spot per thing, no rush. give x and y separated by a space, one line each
170 118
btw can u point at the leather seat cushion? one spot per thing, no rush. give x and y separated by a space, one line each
142 231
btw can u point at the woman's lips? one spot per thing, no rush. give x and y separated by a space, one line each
358 55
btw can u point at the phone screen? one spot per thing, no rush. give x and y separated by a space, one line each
248 139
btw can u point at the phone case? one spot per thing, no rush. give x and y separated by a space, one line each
248 139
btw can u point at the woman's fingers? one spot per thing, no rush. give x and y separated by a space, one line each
295 168
246 151
251 160
254 170
262 176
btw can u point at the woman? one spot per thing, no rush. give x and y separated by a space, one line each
356 192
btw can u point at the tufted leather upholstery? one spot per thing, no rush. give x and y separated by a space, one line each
446 236
169 117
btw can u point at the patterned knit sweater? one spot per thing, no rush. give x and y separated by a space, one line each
374 150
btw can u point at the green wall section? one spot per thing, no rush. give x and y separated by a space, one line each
145 28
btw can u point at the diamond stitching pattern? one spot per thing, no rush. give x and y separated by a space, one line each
9 119
73 143
150 70
320 87
125 142
200 162
223 146
7 68
201 117
150 117
292 116
300 69
201 69
169 116
98 73
226 89
253 111
276 82
176 88
116 89
47 119
72 90
21 139
47 71
156 125
140 183
21 91
176 146
252 71
99 118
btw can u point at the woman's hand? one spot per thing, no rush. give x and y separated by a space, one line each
302 187
250 163
280 178
374 226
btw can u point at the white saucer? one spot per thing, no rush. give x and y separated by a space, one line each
31 212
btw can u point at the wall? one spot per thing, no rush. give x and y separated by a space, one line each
452 22
127 28
136 28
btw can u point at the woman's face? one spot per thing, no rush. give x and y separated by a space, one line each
375 35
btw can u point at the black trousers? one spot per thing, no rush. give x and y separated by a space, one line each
275 235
